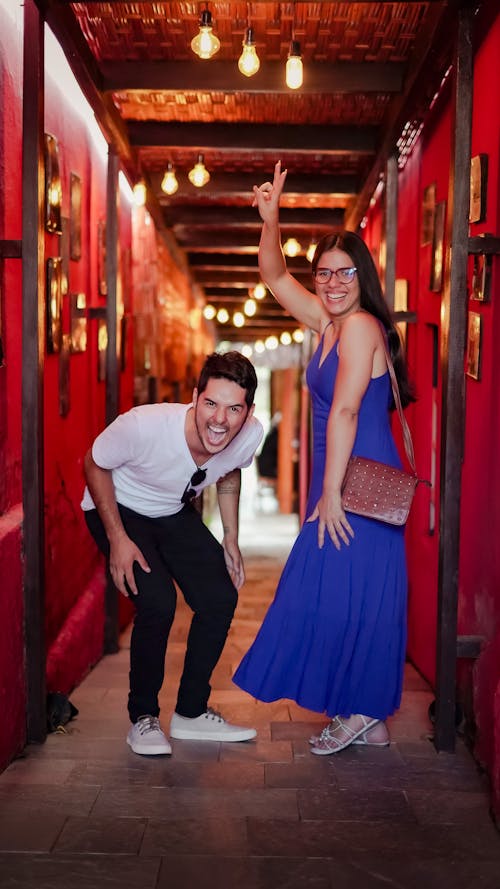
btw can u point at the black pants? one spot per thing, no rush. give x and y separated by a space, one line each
180 548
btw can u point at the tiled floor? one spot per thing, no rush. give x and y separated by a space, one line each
84 811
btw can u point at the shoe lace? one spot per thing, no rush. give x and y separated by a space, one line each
148 724
214 714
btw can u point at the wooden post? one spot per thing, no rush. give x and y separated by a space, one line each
33 348
453 330
391 228
111 619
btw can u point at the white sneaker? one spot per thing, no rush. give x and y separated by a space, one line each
210 726
147 738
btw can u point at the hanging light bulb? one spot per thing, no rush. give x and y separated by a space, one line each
140 193
248 62
238 319
223 316
259 291
209 312
311 250
205 44
285 338
250 307
294 74
291 247
199 175
169 182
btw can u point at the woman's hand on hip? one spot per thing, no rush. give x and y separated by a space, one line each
331 517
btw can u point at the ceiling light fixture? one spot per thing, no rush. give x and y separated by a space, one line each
248 62
199 175
291 247
259 291
205 44
294 72
169 182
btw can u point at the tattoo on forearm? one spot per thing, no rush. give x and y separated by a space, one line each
228 487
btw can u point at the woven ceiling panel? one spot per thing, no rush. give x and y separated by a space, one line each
357 32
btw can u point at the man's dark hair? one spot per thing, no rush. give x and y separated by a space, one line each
229 366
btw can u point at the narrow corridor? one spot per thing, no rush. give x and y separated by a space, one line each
84 811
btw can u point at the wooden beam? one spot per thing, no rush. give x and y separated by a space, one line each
221 76
236 279
241 184
453 335
33 349
243 217
268 138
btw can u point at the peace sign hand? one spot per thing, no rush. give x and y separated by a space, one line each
266 197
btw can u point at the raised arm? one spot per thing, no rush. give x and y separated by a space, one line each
303 305
228 495
123 552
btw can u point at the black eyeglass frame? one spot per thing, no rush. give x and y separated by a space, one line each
337 272
190 492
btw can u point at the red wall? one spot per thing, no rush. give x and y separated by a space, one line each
12 689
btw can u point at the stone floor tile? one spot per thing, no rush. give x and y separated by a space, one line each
78 872
449 807
257 751
207 774
213 836
186 802
43 799
325 804
106 836
296 730
107 774
31 770
245 873
194 751
21 833
301 774
378 872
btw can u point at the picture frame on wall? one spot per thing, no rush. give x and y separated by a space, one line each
437 256
64 368
428 209
54 304
478 187
53 187
102 345
481 277
473 354
102 284
75 217
78 316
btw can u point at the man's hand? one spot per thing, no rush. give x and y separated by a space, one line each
122 555
234 562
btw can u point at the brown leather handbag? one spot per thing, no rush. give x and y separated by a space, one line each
379 491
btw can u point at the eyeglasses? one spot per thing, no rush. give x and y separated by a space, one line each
196 479
345 276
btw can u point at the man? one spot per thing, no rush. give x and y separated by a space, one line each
142 473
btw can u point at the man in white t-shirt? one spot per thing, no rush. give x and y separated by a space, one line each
143 472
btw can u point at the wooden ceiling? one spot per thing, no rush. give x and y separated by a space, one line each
371 70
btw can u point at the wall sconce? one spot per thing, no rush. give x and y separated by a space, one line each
291 247
294 74
248 62
199 175
205 44
140 193
169 182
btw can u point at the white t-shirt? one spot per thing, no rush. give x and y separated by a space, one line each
147 453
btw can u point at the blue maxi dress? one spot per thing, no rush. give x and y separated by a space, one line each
334 637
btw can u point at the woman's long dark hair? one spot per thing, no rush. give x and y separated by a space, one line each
372 299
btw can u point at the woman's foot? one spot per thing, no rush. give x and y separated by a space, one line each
378 736
342 732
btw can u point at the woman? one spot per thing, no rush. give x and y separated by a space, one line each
334 637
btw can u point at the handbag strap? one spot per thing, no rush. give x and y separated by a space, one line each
408 443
